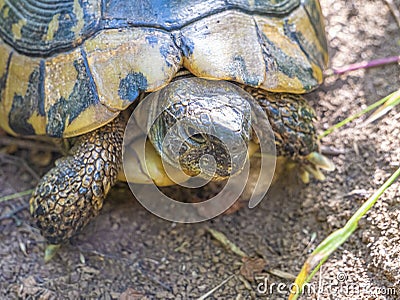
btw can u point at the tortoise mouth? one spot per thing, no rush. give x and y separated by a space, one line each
208 156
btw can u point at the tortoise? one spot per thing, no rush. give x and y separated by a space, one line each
68 68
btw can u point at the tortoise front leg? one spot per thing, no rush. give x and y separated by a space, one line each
72 193
292 121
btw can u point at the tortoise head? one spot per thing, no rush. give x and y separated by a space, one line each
198 126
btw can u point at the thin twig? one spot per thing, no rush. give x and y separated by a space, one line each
152 278
20 162
12 215
331 151
84 250
210 292
28 144
394 10
363 65
139 265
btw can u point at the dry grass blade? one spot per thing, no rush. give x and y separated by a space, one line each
357 115
209 293
219 236
394 99
282 274
16 195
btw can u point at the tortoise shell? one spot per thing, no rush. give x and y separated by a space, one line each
69 67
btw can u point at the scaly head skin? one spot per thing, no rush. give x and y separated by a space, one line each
198 119
72 193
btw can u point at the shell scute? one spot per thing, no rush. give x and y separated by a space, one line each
86 60
42 27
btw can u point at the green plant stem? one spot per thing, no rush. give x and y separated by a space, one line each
338 237
353 117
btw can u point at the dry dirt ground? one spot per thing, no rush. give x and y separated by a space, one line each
128 252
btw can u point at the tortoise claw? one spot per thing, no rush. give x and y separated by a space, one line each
315 171
304 176
320 161
313 164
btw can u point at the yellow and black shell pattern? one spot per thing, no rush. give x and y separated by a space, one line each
70 66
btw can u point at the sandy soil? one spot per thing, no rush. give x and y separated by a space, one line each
128 253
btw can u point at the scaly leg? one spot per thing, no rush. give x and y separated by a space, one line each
72 193
292 120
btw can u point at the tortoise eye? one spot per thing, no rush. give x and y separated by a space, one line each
198 137
191 131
